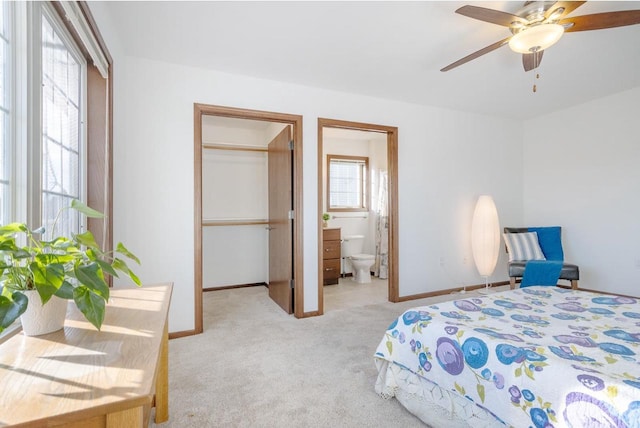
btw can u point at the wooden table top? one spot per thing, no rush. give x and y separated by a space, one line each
79 372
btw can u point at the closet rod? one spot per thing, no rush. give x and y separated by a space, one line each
246 222
230 147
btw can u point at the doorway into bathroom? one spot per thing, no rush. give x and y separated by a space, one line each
358 198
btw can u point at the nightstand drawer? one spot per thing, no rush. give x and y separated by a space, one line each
331 250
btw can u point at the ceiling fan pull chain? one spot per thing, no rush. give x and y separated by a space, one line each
536 63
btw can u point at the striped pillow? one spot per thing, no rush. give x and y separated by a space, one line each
523 246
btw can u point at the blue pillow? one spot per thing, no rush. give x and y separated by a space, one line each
550 241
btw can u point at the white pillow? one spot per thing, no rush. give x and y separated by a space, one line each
523 246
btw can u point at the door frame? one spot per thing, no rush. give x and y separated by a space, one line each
295 121
392 166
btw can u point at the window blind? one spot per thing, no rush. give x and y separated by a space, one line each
81 26
61 131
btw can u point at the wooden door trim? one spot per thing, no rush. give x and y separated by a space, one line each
295 121
392 165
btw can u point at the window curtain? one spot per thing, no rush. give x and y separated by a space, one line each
381 266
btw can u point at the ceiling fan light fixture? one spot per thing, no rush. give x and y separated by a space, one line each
536 38
556 14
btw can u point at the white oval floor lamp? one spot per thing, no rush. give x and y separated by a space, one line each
485 237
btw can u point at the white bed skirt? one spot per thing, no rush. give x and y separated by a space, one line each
433 405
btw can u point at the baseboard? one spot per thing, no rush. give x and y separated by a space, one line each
449 291
311 314
230 287
184 333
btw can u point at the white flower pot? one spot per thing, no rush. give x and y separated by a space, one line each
42 319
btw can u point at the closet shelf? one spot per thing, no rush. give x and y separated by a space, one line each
233 147
230 222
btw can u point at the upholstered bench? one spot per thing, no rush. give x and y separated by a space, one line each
569 272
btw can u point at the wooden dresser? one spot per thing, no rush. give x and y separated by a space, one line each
330 255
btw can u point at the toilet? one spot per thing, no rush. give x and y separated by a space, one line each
361 263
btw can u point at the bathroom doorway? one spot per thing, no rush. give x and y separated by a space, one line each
358 192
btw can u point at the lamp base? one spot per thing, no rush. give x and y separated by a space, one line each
487 287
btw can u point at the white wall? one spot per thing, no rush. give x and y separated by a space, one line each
234 186
582 172
234 255
217 130
446 159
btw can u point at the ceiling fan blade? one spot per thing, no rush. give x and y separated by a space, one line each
532 61
490 15
477 54
599 21
567 6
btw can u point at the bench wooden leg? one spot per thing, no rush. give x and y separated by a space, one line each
574 284
162 379
512 282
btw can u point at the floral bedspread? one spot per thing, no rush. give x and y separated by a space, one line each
533 357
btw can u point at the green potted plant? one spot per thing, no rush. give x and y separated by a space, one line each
37 274
325 219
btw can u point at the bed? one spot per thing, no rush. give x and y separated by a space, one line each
531 357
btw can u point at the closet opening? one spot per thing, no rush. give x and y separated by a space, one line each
358 212
248 204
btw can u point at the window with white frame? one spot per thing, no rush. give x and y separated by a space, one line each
44 99
42 109
5 110
347 185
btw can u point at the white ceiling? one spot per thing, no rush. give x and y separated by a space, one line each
385 49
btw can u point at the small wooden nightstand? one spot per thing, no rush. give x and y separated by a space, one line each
331 255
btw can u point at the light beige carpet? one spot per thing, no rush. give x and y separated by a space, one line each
255 366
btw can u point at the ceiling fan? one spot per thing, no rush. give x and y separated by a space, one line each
540 24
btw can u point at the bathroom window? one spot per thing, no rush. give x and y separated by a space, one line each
347 184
